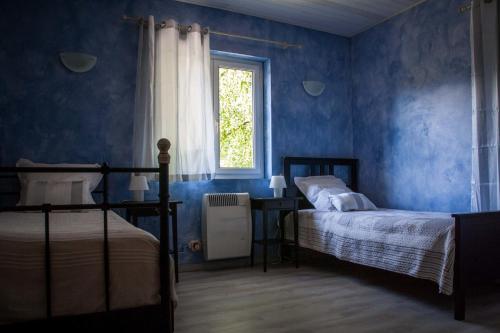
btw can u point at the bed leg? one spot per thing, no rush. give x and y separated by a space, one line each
458 275
172 326
459 300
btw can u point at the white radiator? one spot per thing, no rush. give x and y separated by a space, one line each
226 225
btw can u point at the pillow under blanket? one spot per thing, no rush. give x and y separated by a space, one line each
57 188
317 189
345 202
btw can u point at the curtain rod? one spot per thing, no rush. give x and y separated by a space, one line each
163 24
466 7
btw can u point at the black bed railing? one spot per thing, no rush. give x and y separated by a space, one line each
105 206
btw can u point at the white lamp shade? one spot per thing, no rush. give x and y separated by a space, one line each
138 183
277 182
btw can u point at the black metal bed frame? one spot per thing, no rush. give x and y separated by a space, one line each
154 317
477 235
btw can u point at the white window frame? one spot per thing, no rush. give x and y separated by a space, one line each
258 110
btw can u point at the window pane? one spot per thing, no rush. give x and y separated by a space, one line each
236 118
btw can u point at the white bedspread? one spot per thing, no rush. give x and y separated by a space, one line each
77 264
419 244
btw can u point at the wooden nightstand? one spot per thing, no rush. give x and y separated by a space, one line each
132 214
275 204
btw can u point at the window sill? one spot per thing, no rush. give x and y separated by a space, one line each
239 176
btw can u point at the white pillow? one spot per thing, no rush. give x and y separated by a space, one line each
323 202
56 193
317 189
90 180
345 202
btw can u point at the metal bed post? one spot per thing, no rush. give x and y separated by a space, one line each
105 207
166 303
48 276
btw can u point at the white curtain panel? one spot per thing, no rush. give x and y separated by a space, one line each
485 194
182 109
143 137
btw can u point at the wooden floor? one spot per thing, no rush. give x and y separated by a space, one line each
346 298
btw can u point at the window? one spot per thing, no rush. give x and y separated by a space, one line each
238 111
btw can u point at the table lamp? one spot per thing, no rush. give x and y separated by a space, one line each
138 184
277 184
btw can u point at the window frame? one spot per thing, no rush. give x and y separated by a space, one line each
258 116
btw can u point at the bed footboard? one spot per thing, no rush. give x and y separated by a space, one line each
477 254
149 317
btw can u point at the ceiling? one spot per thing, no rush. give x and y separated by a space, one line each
340 17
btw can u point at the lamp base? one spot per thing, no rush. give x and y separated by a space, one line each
278 193
138 195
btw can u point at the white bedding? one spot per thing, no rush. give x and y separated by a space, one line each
419 244
77 264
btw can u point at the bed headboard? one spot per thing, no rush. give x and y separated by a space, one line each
318 166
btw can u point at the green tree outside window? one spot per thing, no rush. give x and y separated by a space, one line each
236 124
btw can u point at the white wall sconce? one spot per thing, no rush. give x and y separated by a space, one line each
138 184
78 62
314 88
277 183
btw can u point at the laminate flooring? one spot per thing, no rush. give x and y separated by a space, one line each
337 298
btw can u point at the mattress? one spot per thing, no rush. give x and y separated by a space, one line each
419 244
77 264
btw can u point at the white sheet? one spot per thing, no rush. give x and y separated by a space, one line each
77 264
419 244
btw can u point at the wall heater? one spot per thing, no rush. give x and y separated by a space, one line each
226 225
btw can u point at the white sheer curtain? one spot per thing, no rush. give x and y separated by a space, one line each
143 138
180 104
485 118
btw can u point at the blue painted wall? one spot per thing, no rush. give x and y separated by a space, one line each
409 122
412 109
49 114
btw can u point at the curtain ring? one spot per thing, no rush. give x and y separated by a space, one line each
183 29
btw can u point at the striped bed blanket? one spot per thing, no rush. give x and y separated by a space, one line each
76 265
419 244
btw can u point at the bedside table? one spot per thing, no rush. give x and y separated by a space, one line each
275 204
132 214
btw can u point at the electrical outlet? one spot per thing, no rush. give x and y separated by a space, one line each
195 245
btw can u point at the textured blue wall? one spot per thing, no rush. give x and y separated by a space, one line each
50 114
410 124
412 109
